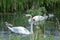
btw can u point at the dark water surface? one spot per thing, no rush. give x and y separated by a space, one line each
13 36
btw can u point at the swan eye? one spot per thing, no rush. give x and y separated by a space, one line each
33 19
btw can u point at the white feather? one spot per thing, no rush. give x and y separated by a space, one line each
18 29
38 19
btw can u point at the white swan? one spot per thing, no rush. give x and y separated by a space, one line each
39 18
18 29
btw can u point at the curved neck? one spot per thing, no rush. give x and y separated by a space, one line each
31 25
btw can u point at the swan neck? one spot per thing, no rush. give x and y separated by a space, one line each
31 26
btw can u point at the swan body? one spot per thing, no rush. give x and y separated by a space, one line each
19 29
37 19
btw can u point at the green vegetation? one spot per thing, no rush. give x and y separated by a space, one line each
13 11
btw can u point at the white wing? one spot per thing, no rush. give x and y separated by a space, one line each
21 30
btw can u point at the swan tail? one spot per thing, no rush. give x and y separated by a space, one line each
9 27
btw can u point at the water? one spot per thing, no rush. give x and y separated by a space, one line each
55 36
13 36
6 35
